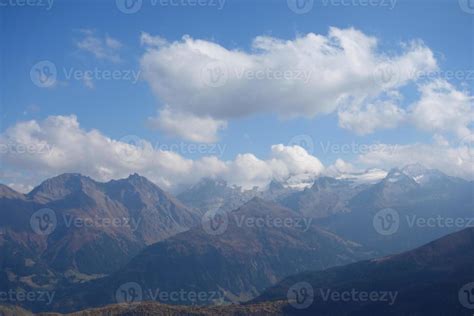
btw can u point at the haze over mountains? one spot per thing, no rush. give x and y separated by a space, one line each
84 239
429 280
253 251
435 279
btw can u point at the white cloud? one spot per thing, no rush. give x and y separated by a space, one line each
340 167
194 128
149 40
308 76
58 144
443 108
455 161
106 48
31 151
368 118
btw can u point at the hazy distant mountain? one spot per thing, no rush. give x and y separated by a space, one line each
398 213
326 197
237 264
95 227
425 281
214 194
323 197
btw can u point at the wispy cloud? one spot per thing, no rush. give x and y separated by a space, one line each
102 47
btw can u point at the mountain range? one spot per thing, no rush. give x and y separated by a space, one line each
74 227
430 280
435 279
254 250
85 240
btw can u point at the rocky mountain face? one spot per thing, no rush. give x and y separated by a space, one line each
254 247
78 228
431 280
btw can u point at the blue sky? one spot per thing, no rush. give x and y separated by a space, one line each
117 108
